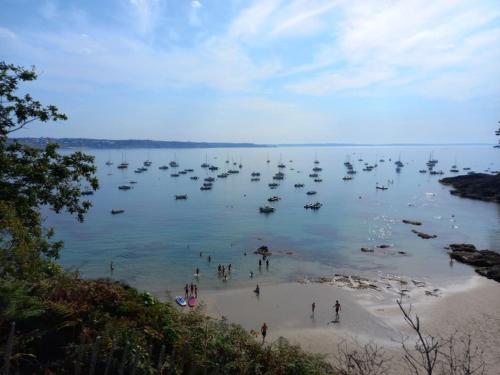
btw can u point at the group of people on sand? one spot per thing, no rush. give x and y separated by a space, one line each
337 308
193 288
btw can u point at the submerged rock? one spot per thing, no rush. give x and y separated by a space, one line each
485 262
423 235
412 222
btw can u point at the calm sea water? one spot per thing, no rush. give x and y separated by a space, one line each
155 245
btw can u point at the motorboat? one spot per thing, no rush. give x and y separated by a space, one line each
267 209
181 196
313 206
311 192
273 199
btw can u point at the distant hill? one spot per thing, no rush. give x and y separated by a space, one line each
145 143
127 143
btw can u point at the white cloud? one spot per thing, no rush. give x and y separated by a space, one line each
5 33
413 40
146 14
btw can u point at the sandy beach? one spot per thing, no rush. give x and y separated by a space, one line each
472 307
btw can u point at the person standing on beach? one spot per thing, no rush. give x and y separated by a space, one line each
337 310
186 290
209 259
263 330
192 288
195 291
267 263
111 267
313 307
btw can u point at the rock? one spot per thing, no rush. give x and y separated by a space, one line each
467 247
383 246
481 186
367 250
263 250
486 262
402 252
423 235
411 222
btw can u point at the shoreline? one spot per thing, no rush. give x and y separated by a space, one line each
367 315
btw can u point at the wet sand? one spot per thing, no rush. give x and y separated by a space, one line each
473 307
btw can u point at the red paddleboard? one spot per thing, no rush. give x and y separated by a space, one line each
192 302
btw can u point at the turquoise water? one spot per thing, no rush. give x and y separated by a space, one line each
155 244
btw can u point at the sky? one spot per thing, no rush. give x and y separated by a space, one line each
264 71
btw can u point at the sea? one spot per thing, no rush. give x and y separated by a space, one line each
158 242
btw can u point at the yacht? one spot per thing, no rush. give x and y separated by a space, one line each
273 199
181 196
124 187
298 185
206 188
347 178
205 164
115 211
163 167
313 206
311 192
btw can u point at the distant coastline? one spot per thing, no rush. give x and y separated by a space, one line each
145 143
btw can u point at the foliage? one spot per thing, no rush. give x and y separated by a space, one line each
72 318
31 178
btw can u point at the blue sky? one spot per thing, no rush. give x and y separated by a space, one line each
268 71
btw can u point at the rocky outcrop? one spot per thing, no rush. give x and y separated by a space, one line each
263 250
481 186
485 262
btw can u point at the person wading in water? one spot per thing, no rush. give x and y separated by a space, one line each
263 330
337 308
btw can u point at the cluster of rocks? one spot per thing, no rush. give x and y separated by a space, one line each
388 283
485 262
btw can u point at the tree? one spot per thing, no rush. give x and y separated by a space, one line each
31 178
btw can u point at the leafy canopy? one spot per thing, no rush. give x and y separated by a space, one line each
31 178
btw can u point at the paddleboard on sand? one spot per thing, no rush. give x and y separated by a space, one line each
180 301
192 301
